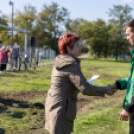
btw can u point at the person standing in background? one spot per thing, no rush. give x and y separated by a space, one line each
16 55
37 57
3 58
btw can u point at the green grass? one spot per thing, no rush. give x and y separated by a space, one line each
23 116
35 80
101 117
102 121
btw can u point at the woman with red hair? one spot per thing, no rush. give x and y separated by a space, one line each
67 81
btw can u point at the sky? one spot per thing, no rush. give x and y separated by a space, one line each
89 10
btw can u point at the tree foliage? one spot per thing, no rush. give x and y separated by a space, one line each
48 25
120 17
4 33
101 38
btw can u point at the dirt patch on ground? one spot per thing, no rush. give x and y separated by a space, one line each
26 96
110 76
21 99
38 131
22 96
84 101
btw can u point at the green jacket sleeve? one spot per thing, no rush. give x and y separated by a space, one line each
123 83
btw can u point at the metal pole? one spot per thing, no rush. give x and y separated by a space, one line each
25 52
43 56
26 44
12 24
11 4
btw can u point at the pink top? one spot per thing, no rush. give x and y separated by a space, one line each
4 56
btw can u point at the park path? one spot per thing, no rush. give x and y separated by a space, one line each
84 55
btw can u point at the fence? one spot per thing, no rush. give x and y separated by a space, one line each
35 57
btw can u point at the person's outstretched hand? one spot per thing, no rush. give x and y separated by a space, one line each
111 89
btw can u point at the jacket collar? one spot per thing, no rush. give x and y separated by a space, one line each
77 60
132 52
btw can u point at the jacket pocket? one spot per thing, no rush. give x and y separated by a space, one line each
70 109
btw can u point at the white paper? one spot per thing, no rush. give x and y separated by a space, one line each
93 79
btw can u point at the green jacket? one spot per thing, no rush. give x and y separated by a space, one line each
128 83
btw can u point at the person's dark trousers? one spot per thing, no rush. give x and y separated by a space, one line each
131 124
19 63
3 67
16 62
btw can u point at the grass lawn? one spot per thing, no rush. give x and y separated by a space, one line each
22 97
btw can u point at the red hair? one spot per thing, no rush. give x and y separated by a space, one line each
67 39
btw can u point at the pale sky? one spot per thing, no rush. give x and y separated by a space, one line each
87 9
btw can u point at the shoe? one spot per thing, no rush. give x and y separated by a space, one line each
2 72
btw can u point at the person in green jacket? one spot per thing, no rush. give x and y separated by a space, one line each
128 83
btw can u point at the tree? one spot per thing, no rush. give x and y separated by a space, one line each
4 33
73 25
95 34
25 20
49 25
121 16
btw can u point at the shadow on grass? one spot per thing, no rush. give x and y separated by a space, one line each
18 104
16 114
2 131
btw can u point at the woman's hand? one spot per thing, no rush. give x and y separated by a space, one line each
111 89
